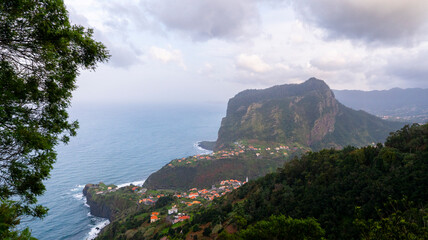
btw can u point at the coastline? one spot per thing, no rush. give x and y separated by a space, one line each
205 147
94 231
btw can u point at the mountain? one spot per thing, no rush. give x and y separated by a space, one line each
265 128
306 113
409 105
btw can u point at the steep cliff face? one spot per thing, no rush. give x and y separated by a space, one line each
306 113
97 208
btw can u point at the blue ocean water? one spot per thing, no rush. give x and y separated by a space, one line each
117 144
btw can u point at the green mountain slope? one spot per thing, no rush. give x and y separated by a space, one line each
306 113
203 173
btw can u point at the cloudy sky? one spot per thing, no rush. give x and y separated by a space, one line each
209 50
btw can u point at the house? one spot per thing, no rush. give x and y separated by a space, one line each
154 217
193 195
180 219
146 201
172 210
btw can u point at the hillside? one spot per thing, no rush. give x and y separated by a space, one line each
240 161
306 113
409 105
373 192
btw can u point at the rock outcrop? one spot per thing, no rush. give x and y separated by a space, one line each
306 113
97 208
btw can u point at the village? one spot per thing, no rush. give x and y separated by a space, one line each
239 148
186 200
181 203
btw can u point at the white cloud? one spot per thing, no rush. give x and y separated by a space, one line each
337 62
252 63
166 56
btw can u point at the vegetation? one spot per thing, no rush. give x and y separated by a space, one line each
41 54
373 192
240 161
305 113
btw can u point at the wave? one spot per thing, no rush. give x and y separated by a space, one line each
78 196
200 149
77 188
136 183
97 229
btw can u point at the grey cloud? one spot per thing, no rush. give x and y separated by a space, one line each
410 68
77 18
375 22
207 19
124 56
126 15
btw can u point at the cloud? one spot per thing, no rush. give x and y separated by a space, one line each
124 54
123 57
206 70
166 56
336 63
207 19
412 67
252 63
371 21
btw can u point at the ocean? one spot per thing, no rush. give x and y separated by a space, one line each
119 144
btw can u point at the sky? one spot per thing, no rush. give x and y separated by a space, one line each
207 51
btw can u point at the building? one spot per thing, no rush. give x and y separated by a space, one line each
172 210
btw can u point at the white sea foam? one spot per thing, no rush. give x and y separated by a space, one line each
77 188
201 150
78 196
97 229
136 183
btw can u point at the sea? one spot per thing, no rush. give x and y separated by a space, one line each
117 144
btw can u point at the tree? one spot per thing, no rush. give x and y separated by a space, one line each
282 227
41 54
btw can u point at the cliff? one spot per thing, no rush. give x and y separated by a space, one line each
108 201
97 208
306 113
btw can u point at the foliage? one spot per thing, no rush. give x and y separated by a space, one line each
203 174
9 219
329 184
41 54
281 227
305 113
399 219
163 201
